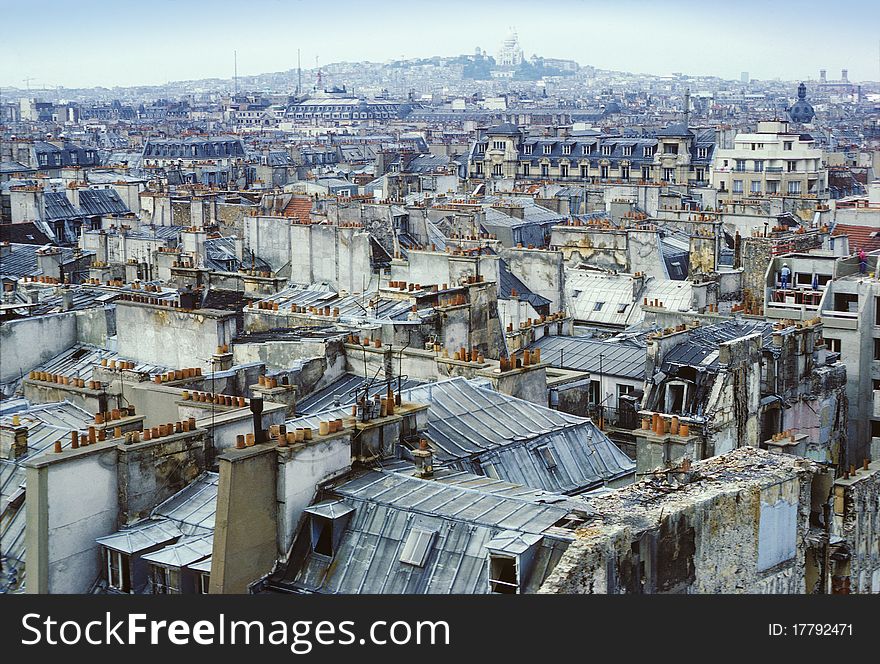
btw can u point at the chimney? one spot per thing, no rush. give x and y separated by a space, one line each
66 300
5 249
257 410
822 76
49 262
843 75
424 459
13 439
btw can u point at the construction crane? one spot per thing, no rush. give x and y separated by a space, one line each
27 82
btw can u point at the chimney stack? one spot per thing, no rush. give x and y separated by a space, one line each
257 410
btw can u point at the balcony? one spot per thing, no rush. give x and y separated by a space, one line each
773 169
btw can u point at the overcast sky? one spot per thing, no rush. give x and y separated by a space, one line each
84 43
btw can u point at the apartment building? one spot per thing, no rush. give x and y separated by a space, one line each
771 161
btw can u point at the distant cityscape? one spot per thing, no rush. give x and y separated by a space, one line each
487 323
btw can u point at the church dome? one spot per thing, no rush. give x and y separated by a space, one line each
801 111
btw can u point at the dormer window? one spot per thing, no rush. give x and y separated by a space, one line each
503 574
497 145
566 149
627 150
587 149
547 149
702 153
327 521
648 151
607 150
527 149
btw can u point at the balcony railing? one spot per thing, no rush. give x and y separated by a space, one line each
619 418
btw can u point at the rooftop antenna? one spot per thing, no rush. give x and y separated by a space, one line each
235 73
299 74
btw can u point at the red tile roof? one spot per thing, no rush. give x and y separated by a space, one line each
299 207
860 237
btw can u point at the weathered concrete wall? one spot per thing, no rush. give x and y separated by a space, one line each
341 257
71 501
740 531
541 270
172 337
300 469
644 254
246 529
94 326
152 471
29 342
856 518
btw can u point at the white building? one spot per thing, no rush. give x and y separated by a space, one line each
771 161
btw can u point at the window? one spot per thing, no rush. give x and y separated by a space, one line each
547 149
496 169
566 149
623 390
607 150
646 172
740 165
603 172
877 349
598 306
756 187
669 175
563 170
497 145
525 170
759 165
627 150
489 469
737 186
74 157
547 457
621 308
117 570
503 574
624 172
702 153
670 148
833 344
166 580
587 149
700 174
791 166
786 145
527 149
772 186
585 172
417 547
545 170
204 584
481 148
648 151
478 168
722 186
43 159
794 187
322 535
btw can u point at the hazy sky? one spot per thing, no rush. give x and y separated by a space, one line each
83 43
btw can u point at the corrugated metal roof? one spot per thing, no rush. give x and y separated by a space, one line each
99 202
341 390
478 430
142 536
583 354
389 507
194 508
187 551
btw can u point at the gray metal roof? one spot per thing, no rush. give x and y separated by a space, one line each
389 507
187 551
193 508
142 536
488 433
21 261
340 390
99 202
582 354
